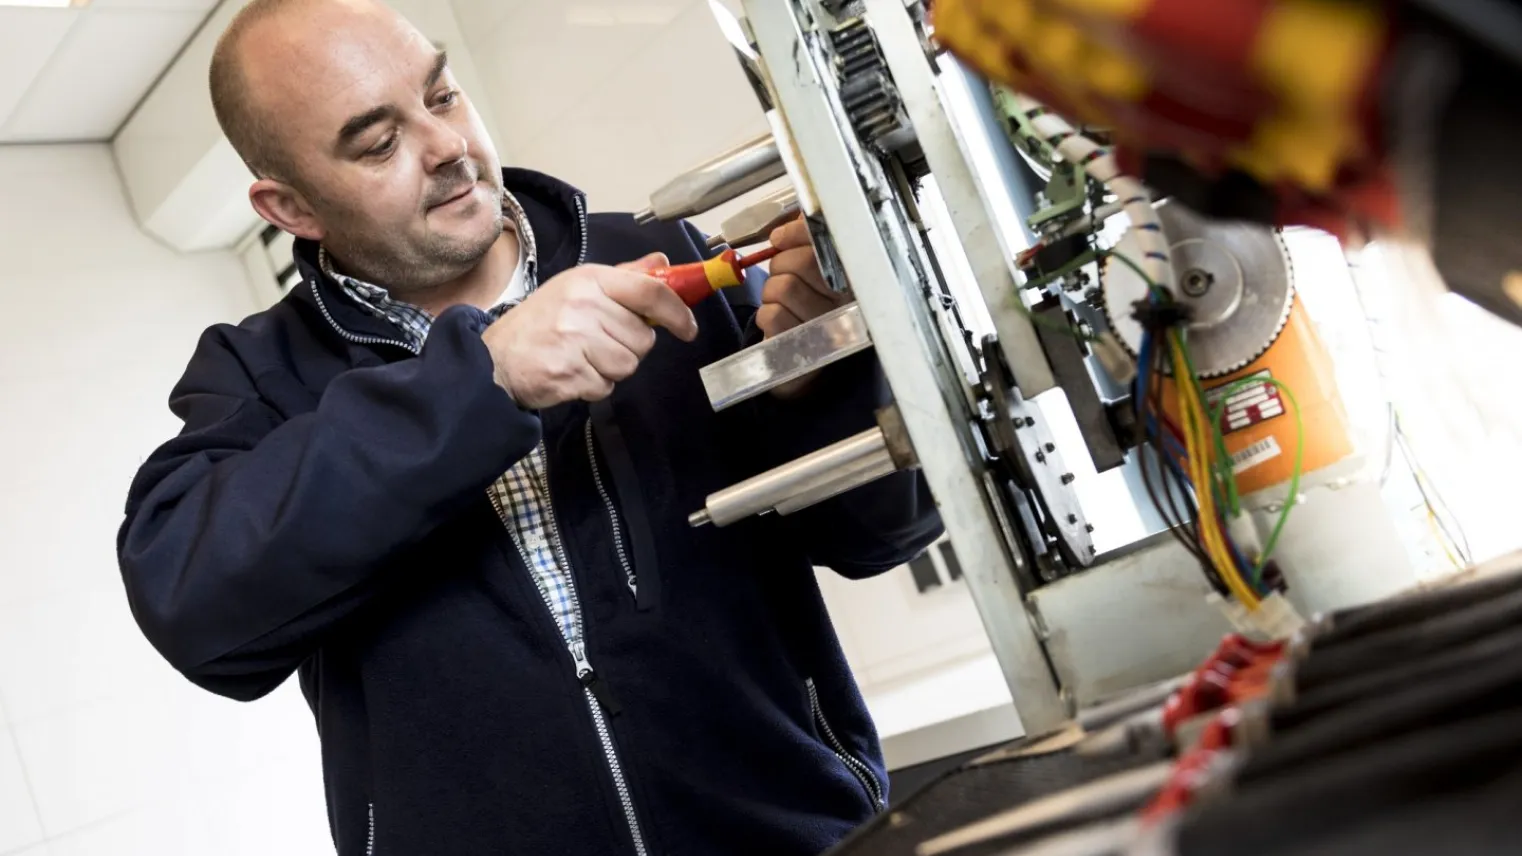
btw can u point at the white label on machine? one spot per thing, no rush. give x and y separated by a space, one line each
1249 404
1264 450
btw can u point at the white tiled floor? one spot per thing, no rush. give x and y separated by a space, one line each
19 825
61 651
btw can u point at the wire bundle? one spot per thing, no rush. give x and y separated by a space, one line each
1192 453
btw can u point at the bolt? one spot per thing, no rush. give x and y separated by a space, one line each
1088 527
1067 478
1029 421
1072 518
1051 447
1040 457
1196 282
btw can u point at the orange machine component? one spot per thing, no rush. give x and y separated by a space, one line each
1258 421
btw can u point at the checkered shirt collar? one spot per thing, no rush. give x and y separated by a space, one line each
415 322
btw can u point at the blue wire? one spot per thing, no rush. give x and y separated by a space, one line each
1174 450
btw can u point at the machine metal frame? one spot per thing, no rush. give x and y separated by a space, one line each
885 265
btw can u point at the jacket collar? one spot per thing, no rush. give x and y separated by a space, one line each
556 211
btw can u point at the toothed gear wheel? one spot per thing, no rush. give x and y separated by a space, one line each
866 90
1236 278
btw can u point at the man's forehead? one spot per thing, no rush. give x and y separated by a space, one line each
332 68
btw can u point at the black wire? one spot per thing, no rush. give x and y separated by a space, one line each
1153 443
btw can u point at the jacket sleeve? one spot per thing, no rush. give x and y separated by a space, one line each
863 532
248 536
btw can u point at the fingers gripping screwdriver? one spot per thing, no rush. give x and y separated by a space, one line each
695 281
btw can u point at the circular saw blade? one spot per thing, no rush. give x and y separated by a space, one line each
1235 277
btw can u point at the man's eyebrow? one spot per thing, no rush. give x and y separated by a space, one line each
359 124
440 62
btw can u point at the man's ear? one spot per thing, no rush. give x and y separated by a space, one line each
284 206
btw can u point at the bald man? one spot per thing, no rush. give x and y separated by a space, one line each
447 478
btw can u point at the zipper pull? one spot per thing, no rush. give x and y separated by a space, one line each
593 684
600 691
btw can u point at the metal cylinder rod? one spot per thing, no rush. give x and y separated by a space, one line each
715 182
819 475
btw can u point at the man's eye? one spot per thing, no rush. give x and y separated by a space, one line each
383 147
447 98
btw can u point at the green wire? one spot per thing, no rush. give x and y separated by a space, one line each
1223 470
1228 483
1294 479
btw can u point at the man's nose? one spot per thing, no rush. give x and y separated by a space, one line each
445 145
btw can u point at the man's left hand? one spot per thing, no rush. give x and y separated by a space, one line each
795 291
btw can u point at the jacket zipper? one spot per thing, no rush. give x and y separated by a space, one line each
581 216
358 340
607 501
598 697
600 700
861 771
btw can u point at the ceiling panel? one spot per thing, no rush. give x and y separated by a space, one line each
95 77
202 5
27 38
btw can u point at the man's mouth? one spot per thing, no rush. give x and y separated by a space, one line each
456 196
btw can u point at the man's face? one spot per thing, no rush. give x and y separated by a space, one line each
398 175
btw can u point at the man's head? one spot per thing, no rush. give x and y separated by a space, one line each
358 137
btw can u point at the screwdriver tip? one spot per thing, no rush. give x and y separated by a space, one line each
699 518
644 216
716 242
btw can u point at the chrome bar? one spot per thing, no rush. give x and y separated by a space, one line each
756 222
715 182
787 356
850 460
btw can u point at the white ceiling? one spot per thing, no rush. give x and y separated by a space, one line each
73 75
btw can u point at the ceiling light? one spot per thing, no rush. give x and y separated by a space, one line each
46 4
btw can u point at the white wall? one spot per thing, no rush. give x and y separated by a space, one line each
103 748
616 96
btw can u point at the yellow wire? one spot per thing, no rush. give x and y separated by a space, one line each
1437 533
1192 413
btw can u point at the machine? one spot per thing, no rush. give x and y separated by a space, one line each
1151 292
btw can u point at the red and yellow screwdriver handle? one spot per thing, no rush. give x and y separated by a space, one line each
695 281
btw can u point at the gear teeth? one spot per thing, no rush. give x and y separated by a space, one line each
867 92
1110 312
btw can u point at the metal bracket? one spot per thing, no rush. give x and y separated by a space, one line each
808 347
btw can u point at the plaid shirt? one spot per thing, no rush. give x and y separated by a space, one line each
521 496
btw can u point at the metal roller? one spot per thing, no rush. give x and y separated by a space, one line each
813 478
715 182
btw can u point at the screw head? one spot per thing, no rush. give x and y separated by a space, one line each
1051 447
1088 527
1029 421
1041 457
1196 282
1072 518
1067 478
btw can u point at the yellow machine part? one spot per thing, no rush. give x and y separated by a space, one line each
1258 421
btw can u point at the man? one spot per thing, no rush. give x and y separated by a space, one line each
447 480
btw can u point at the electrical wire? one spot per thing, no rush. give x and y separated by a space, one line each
1294 480
1439 508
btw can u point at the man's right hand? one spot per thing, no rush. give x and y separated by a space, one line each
582 331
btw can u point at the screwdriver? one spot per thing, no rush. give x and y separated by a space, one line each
695 281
